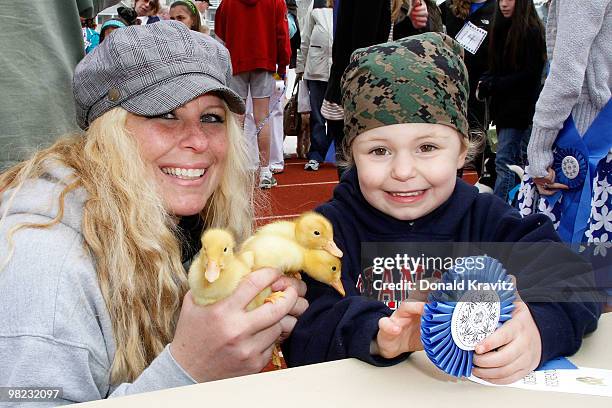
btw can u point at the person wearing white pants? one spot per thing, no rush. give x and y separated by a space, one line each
277 101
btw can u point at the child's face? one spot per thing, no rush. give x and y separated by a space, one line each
180 13
408 170
143 7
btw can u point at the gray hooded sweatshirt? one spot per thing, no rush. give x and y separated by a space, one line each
56 330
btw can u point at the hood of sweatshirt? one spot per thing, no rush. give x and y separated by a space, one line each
41 197
249 2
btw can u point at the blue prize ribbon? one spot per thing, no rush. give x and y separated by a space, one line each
572 177
436 331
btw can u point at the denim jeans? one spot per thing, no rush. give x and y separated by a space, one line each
335 130
319 142
511 149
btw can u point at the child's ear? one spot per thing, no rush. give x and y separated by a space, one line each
462 154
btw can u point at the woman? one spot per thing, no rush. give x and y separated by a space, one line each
570 150
517 54
187 13
313 64
147 10
91 268
575 98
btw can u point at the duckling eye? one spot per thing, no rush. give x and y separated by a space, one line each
334 268
317 233
224 249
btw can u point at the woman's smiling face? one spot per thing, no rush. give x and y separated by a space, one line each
185 151
408 170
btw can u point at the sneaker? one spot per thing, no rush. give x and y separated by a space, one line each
267 182
312 165
277 170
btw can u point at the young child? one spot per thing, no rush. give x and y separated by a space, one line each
406 134
187 13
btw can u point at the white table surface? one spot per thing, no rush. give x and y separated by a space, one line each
352 383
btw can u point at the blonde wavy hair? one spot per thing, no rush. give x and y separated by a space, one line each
128 232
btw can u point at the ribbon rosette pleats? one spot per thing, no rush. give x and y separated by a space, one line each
474 299
571 167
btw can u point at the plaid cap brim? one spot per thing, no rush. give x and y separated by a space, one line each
167 96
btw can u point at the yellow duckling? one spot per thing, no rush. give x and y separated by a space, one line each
217 270
270 250
311 230
325 268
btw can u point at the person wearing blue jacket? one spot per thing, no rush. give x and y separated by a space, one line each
406 129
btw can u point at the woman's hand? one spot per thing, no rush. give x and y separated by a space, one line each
401 332
288 322
223 340
512 351
419 14
546 185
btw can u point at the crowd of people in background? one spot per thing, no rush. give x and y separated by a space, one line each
121 144
507 68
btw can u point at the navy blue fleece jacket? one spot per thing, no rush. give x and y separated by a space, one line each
333 328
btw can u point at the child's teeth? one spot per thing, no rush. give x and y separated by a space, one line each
412 194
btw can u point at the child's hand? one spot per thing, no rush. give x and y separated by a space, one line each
547 185
519 349
401 332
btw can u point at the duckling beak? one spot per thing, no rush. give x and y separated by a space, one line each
333 249
337 284
212 271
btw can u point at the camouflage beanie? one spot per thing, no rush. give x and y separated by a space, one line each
418 79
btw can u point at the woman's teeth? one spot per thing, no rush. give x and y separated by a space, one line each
411 194
185 174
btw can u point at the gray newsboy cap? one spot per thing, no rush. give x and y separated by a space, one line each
152 69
